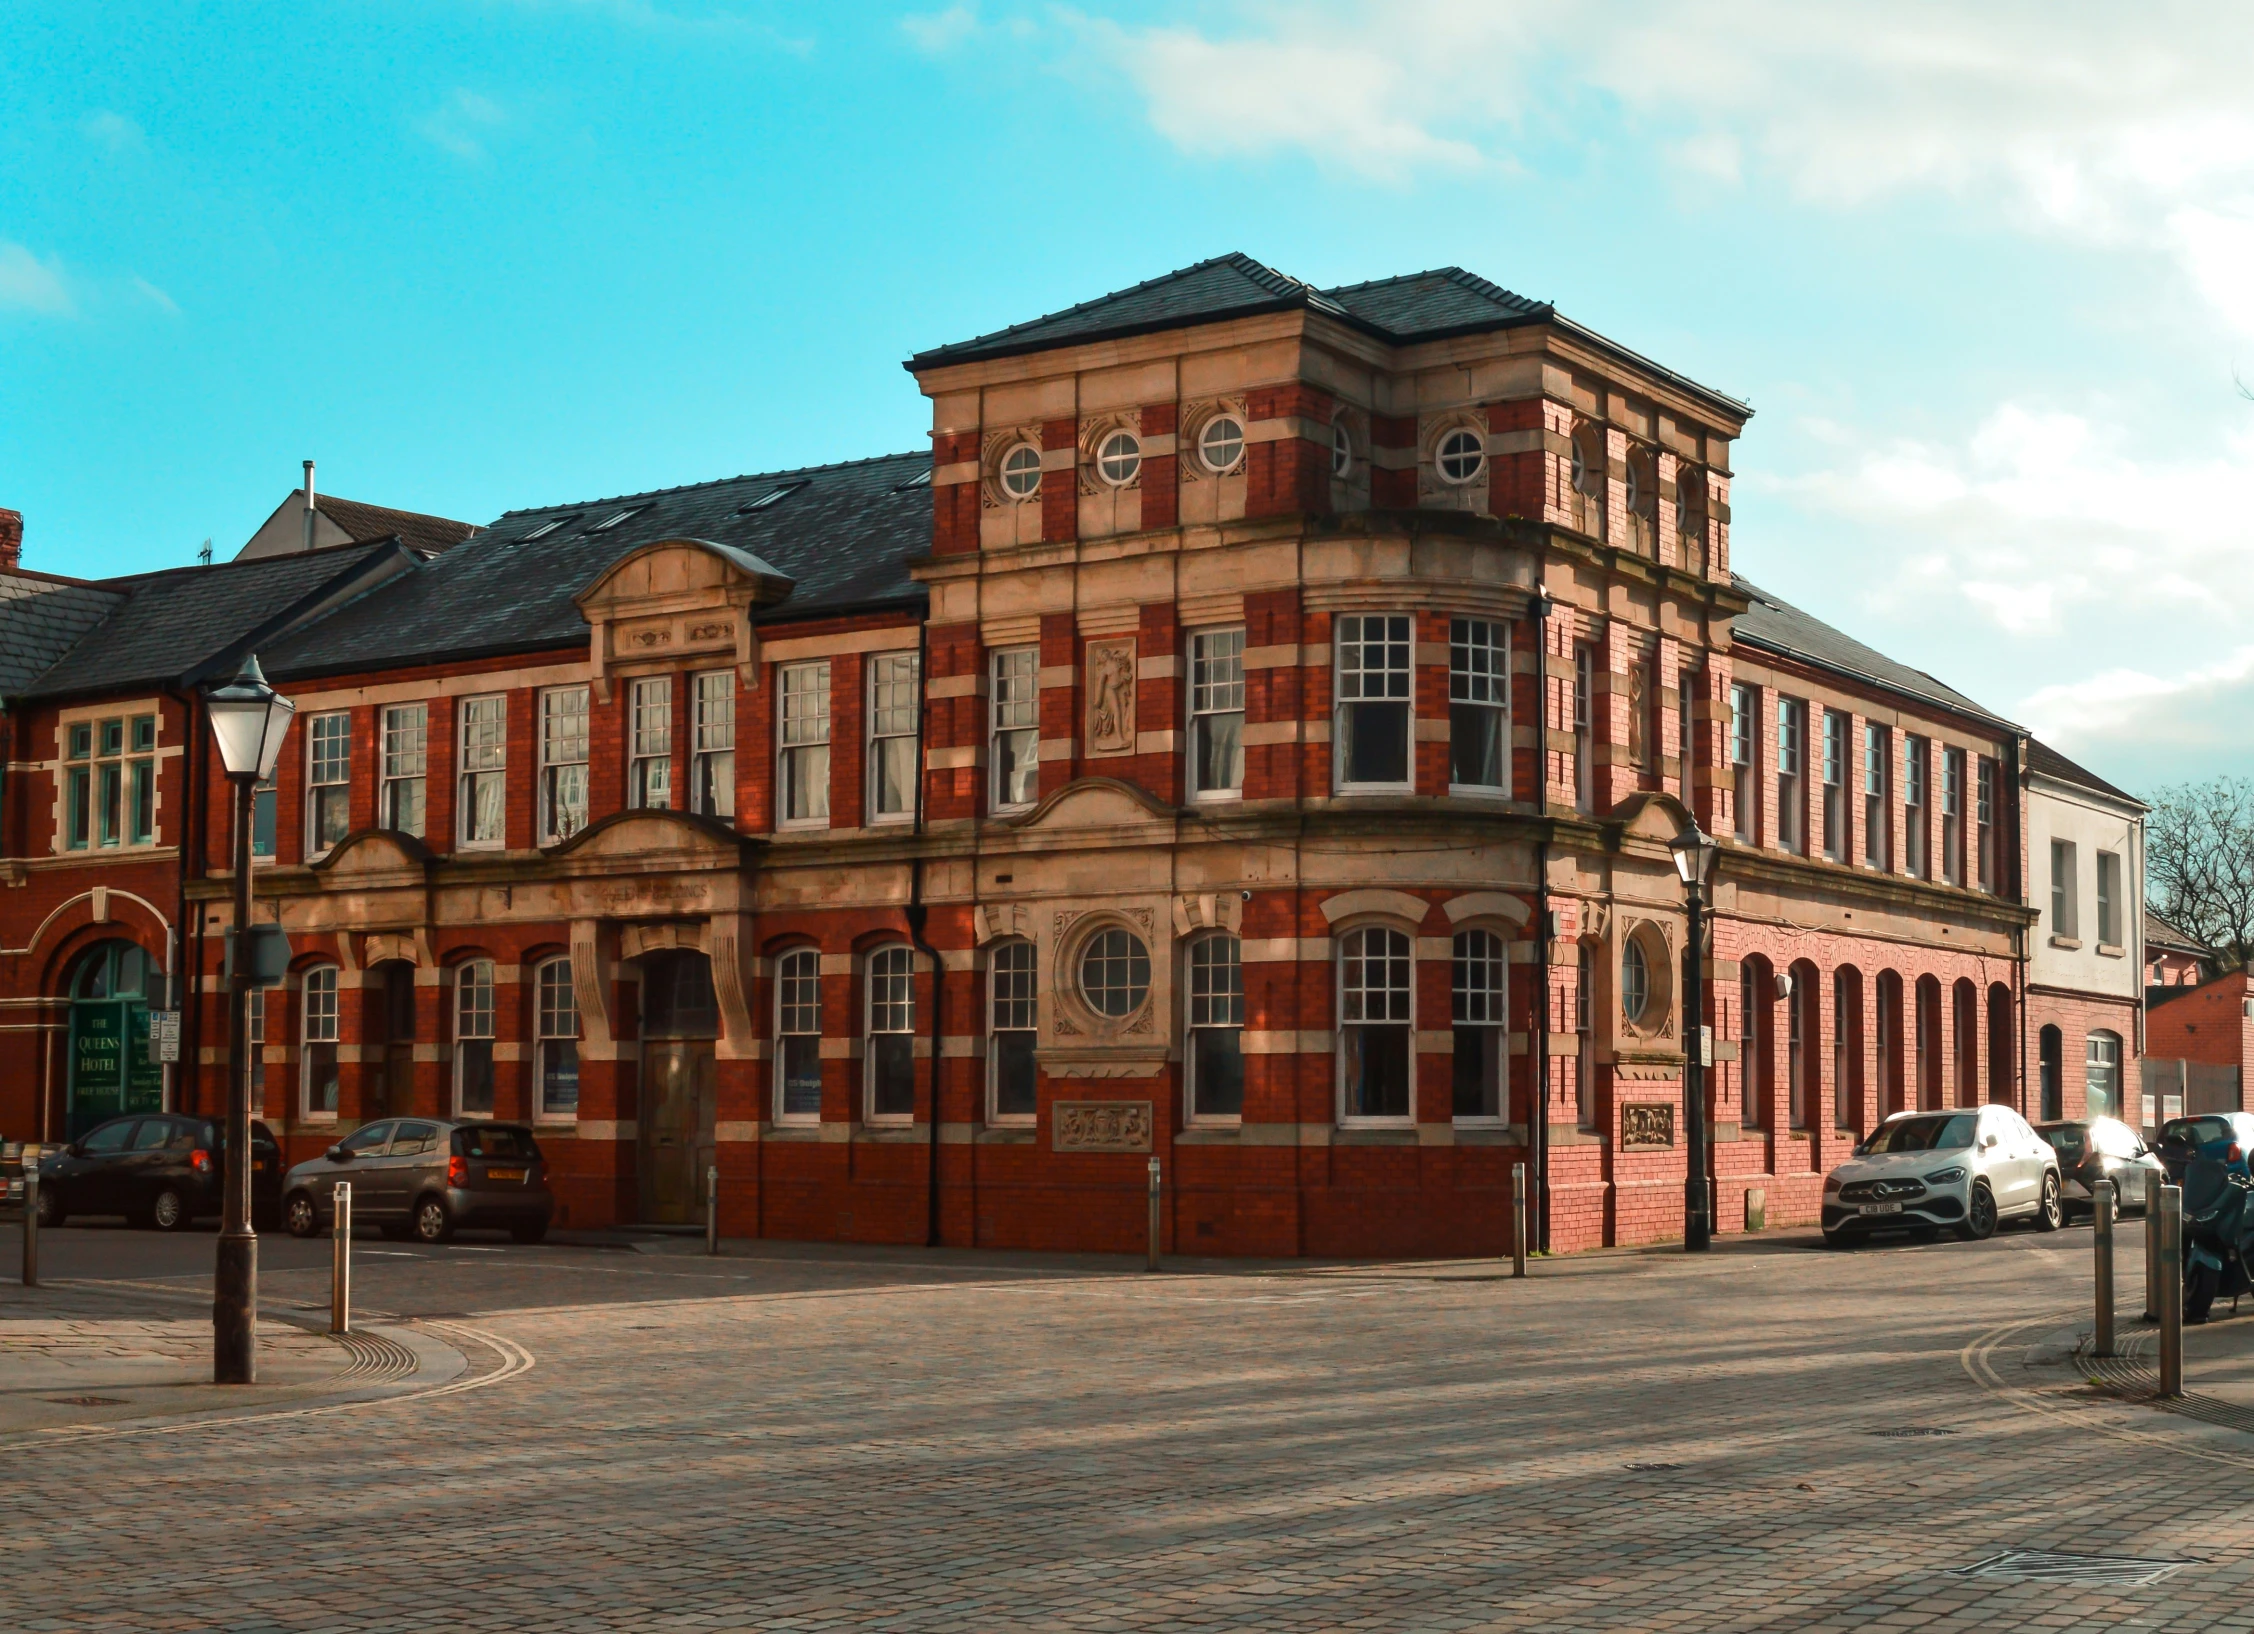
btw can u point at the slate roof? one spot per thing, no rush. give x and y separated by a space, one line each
165 627
844 533
41 618
2160 932
1417 306
365 524
2042 758
1770 625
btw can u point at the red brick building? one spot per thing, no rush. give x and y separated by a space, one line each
1250 736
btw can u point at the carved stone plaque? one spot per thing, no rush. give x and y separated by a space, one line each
1101 1126
1646 1125
1111 697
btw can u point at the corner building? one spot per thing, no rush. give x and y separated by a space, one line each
1250 738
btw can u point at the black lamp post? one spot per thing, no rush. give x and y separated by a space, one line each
248 721
1695 854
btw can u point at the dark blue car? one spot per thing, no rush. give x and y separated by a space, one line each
2224 1136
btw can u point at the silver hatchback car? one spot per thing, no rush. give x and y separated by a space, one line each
424 1178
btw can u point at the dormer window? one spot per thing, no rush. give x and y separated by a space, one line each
1021 471
1120 457
1221 444
1463 454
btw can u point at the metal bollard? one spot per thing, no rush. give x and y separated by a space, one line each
2101 1238
1518 1219
31 1223
2171 1233
1151 1264
712 1208
2151 1250
340 1259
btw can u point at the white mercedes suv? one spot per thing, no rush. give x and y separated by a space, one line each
1962 1170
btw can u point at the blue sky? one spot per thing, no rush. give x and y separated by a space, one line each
1985 278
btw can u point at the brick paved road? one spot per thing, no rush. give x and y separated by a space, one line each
833 1440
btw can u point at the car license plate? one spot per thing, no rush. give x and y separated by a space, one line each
504 1174
1880 1208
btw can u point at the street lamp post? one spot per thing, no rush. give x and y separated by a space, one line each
1695 854
248 721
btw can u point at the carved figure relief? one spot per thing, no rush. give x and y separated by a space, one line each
1639 716
1101 1126
1644 1125
1111 697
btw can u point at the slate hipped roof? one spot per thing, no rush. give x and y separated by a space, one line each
1417 306
2048 762
1770 625
365 524
42 618
843 533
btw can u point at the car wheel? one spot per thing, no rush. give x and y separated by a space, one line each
433 1224
169 1210
299 1214
530 1232
2048 1215
1979 1215
51 1210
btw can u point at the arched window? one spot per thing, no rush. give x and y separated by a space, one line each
1846 1048
1482 1026
1216 1056
473 1039
317 1072
1375 1024
2101 1081
1752 1043
557 1045
1890 1041
2050 1063
2000 1044
1013 1006
1965 1001
1585 1042
1805 1027
798 1036
888 1054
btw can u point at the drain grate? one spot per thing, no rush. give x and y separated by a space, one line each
1650 1467
1910 1432
89 1401
2042 1566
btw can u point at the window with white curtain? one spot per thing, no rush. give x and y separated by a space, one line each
649 768
557 1045
712 773
895 703
563 763
803 745
406 757
485 771
1217 712
1016 728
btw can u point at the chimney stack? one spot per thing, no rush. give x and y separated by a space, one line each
308 504
11 540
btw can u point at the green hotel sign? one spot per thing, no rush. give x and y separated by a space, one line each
110 1066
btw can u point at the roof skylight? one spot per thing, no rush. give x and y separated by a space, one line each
768 498
611 521
550 526
922 479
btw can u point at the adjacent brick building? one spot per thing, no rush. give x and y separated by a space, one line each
1250 736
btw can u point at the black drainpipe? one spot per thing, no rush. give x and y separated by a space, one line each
1538 1120
918 916
187 958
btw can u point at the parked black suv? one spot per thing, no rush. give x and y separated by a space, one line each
161 1169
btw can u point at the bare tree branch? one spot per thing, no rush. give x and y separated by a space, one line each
2199 862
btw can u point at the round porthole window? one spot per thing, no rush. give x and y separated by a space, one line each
1341 449
1584 468
1120 457
1635 982
1221 443
1115 973
1021 471
1462 453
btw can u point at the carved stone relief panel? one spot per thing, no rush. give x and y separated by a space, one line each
1111 697
1645 1125
1101 1126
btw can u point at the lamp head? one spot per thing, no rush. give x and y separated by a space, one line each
1695 852
249 720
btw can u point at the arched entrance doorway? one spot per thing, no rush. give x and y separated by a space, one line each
680 1024
110 1070
390 1022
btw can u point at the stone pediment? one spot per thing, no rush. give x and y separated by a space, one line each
1651 815
374 851
1096 802
678 599
682 838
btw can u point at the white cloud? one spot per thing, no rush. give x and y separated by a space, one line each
28 284
2043 515
156 297
2127 125
2153 728
938 32
462 124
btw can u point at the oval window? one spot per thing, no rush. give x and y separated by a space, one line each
1341 449
1462 453
1635 981
1221 443
1584 468
1021 471
1115 972
1120 457
1637 488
